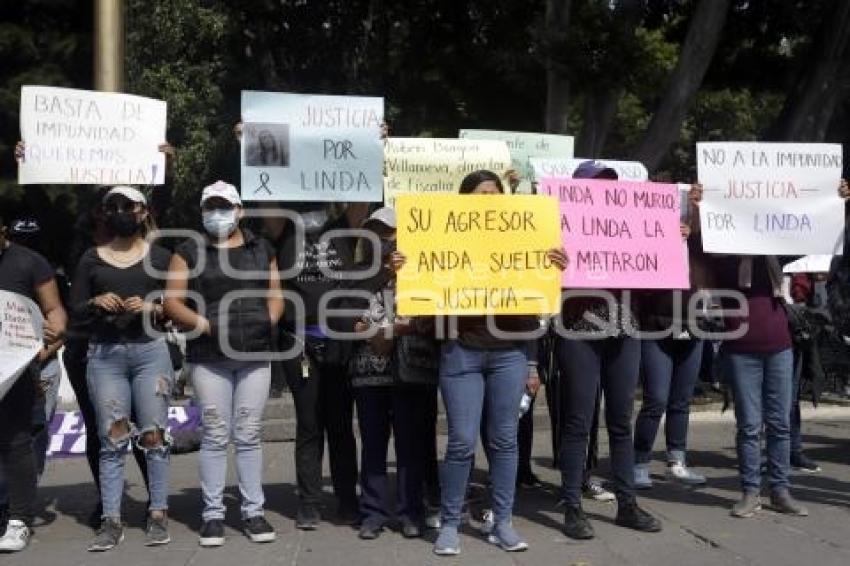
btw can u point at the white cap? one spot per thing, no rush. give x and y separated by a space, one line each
131 194
385 215
220 189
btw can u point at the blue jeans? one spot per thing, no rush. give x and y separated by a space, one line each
124 379
469 378
232 396
670 371
762 385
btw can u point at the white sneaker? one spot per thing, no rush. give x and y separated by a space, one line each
594 490
488 522
15 538
679 472
642 479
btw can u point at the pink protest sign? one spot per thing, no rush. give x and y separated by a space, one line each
620 234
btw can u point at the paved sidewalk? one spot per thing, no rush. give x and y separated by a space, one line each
697 527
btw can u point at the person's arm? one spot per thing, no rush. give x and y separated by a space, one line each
275 300
175 298
55 318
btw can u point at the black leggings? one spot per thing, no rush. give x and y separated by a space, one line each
17 460
585 364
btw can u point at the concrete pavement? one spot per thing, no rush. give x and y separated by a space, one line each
697 527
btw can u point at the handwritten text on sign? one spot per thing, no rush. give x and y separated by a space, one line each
477 254
525 145
770 198
91 138
438 165
21 326
620 234
299 147
544 167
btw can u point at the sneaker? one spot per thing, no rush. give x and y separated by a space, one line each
594 490
212 533
748 506
642 479
781 501
448 543
576 525
110 535
307 517
505 537
258 529
679 472
370 531
410 528
804 463
16 537
488 522
631 516
348 513
156 532
433 520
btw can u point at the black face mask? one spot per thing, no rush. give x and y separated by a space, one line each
123 224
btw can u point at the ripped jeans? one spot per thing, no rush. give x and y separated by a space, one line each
125 378
232 396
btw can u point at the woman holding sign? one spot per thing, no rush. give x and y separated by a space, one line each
478 368
129 369
591 354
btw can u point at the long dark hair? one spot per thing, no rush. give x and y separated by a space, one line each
476 178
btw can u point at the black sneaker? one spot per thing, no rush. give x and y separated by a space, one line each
348 514
307 517
804 463
370 531
212 533
410 528
110 535
156 532
259 530
576 525
631 516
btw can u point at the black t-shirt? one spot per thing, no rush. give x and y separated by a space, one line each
95 277
22 270
310 283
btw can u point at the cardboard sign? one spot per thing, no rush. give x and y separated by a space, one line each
82 137
620 234
21 336
547 167
477 254
771 198
302 147
523 146
438 165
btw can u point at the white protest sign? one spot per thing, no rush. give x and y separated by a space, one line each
302 147
82 137
523 146
810 264
21 332
770 198
548 167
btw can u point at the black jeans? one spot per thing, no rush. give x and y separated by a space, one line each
323 405
74 357
585 364
402 410
17 459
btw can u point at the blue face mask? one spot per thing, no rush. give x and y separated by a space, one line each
219 223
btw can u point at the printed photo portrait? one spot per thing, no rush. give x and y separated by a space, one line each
266 145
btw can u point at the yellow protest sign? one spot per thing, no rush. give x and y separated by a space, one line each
477 254
429 165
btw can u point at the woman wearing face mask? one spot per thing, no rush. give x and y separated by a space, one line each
129 371
234 303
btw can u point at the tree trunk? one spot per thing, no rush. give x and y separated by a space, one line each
811 103
557 84
698 50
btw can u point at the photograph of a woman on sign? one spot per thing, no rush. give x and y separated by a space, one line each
266 145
